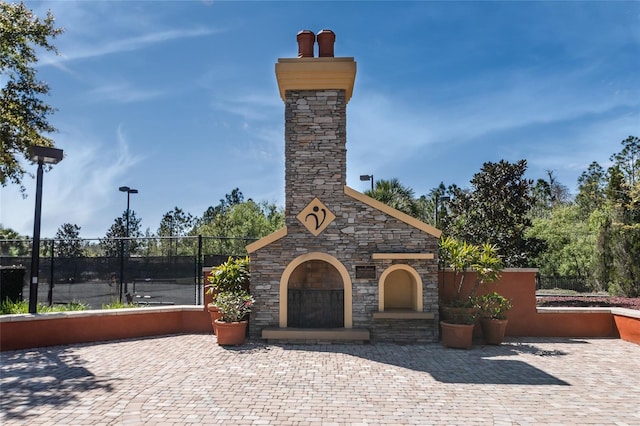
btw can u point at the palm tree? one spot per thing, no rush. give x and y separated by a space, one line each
394 194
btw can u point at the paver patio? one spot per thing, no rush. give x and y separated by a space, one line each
188 379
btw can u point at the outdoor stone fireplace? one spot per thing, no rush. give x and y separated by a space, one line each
345 266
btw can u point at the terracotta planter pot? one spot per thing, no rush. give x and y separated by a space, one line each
326 40
306 41
493 330
215 314
459 336
231 333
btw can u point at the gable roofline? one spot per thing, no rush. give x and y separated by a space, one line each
403 217
265 241
371 202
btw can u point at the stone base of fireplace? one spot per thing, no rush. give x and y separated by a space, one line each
315 335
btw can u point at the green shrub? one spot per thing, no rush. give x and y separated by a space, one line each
116 304
22 307
494 306
231 276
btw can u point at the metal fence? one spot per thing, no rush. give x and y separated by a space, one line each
577 284
146 271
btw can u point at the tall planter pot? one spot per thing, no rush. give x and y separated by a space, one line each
459 336
493 330
215 314
231 333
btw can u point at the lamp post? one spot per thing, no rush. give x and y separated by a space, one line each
129 191
439 199
42 155
367 177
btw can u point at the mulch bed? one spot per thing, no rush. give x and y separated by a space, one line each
590 301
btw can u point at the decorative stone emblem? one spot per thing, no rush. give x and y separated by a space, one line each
316 217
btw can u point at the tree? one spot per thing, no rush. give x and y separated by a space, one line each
591 184
569 244
496 210
426 205
394 194
239 225
111 244
625 246
23 114
230 200
623 182
174 223
616 260
12 243
628 160
69 243
548 194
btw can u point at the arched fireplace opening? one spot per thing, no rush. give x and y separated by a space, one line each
315 296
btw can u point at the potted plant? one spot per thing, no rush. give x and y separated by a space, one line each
459 313
231 276
494 308
233 307
457 327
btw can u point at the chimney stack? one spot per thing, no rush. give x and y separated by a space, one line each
326 40
306 41
308 73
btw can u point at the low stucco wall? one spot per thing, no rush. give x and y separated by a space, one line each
61 328
628 324
526 319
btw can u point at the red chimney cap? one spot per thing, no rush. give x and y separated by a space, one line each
306 40
326 39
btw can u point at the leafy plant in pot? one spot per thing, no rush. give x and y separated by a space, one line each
233 306
459 313
493 309
230 277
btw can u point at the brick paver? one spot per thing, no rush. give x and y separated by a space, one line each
188 379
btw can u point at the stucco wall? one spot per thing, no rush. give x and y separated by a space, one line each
525 319
28 331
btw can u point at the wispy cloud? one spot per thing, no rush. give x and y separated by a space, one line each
480 108
490 116
78 189
79 51
86 183
258 107
123 93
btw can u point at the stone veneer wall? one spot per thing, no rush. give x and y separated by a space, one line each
315 146
315 150
356 233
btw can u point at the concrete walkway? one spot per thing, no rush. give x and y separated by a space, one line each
188 379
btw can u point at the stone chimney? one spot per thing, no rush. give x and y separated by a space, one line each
315 92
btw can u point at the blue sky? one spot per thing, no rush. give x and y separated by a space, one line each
179 100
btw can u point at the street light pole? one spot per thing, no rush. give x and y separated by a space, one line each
367 177
42 155
129 191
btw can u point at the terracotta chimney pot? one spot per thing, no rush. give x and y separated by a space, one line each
306 40
326 39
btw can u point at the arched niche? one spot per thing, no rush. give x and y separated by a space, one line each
400 287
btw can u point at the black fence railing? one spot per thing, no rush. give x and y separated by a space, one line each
578 284
147 271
